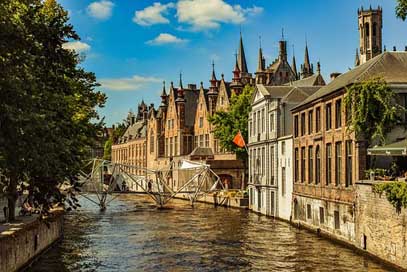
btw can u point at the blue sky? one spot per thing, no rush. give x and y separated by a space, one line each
133 45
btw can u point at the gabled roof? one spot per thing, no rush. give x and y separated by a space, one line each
391 66
314 80
135 131
287 94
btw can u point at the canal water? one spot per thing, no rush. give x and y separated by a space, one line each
132 235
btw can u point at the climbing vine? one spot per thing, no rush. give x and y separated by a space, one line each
396 193
373 109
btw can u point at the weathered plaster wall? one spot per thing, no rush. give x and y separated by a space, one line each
19 248
380 230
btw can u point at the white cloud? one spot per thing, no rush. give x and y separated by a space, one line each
101 10
153 14
78 46
133 83
209 14
165 38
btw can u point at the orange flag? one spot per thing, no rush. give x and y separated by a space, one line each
238 140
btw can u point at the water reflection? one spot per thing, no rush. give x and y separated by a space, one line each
134 236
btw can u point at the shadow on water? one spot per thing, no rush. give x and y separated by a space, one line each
134 235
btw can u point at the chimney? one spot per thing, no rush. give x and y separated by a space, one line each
133 120
405 48
394 49
335 75
192 86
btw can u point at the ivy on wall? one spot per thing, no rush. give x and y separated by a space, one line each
396 193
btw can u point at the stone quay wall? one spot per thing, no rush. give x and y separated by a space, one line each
21 243
380 230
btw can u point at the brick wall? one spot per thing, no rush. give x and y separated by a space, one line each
380 230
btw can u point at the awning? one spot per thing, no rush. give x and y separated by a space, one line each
394 149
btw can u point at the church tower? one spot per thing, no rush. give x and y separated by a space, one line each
370 33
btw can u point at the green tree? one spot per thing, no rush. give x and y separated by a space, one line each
401 9
373 109
47 102
228 123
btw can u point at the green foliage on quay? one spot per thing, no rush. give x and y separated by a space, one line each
228 123
396 193
373 110
48 119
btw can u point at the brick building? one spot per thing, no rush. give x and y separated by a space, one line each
328 160
131 147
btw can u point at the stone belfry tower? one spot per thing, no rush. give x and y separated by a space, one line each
370 33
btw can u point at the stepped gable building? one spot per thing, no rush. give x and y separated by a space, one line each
179 128
327 159
370 24
131 147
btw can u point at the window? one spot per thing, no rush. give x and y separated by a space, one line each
207 140
348 163
283 180
171 146
321 215
258 122
272 164
250 129
195 141
283 147
374 28
221 100
200 122
151 142
310 113
309 211
318 119
296 126
328 116
338 113
302 164
262 121
263 161
296 165
310 164
166 148
317 165
176 145
254 123
336 218
348 114
328 163
303 124
201 140
338 163
271 122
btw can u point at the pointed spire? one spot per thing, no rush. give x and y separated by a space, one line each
213 71
260 66
213 89
307 68
241 56
306 57
357 59
294 65
318 68
180 80
164 93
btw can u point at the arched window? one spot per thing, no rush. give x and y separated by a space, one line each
367 29
317 165
374 28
